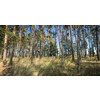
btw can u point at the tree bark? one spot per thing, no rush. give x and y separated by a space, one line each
19 49
31 44
56 43
48 43
78 43
72 43
12 50
5 47
40 43
65 43
62 47
37 42
97 41
34 40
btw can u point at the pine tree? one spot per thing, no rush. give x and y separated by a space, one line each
72 43
62 36
5 47
12 50
31 44
78 42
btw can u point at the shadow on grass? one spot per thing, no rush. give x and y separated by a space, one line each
18 71
54 69
92 69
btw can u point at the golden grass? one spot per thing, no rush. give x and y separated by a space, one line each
52 67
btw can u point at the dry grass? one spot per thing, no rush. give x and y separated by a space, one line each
52 67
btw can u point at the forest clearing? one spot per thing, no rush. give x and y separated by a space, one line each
51 67
50 50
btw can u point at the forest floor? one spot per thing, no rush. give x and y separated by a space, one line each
51 66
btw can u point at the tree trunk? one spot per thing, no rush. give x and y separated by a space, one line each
55 44
62 46
76 42
11 56
93 44
40 43
34 40
97 41
65 43
37 42
48 42
19 49
83 39
84 43
5 47
31 44
78 48
12 50
72 43
2 51
89 41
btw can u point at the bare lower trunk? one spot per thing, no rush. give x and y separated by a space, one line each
11 56
85 52
93 50
37 42
19 48
42 42
5 47
97 41
2 51
72 43
56 44
31 44
62 47
78 48
34 40
48 42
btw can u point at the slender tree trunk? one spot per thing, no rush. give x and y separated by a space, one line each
31 44
5 47
12 50
48 42
65 43
78 48
40 44
2 51
34 40
72 43
83 38
76 42
37 42
93 44
11 56
85 43
97 41
89 41
19 49
55 44
23 51
62 47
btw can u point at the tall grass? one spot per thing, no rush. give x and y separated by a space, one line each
52 67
